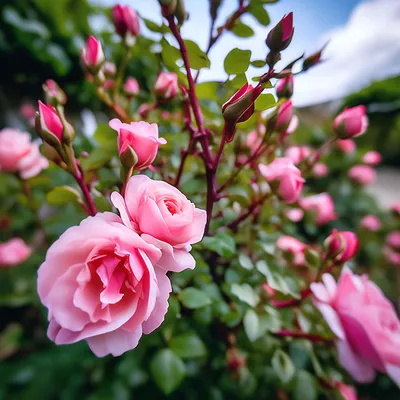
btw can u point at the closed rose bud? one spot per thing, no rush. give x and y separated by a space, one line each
293 124
92 55
395 208
371 223
362 174
54 94
298 153
295 214
283 117
13 252
125 21
284 88
49 126
372 158
393 240
293 247
346 145
351 122
341 246
322 205
166 86
287 174
109 69
312 60
143 139
108 84
168 7
131 86
280 36
320 170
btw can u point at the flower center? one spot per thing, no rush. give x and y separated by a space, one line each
172 207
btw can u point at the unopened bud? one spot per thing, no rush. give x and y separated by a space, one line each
180 12
284 88
341 246
125 21
128 157
312 60
280 36
214 5
53 93
109 69
48 125
92 55
312 257
131 87
168 7
351 122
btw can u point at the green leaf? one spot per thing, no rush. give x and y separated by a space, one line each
257 10
245 262
167 370
105 136
251 325
305 387
265 101
97 158
170 55
152 26
222 243
193 298
237 82
237 61
242 30
207 90
63 195
245 293
283 366
258 63
188 345
197 58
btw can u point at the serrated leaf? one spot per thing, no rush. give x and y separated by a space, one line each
265 101
283 366
63 195
245 293
197 58
237 61
193 298
188 345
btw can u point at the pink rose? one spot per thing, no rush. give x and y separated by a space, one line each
100 284
289 177
289 244
284 117
320 170
322 205
372 158
164 217
141 137
393 240
13 252
362 174
166 85
365 323
371 223
351 122
125 20
92 55
131 86
281 34
295 214
50 122
298 153
19 154
342 246
346 145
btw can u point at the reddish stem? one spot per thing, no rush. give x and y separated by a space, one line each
302 335
79 177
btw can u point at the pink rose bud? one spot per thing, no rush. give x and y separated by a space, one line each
362 174
341 246
298 153
144 109
101 283
287 174
131 87
18 154
351 122
166 86
165 218
108 84
346 145
372 158
294 214
293 124
371 223
320 170
13 252
284 117
365 324
393 240
291 245
392 256
109 69
346 391
322 205
312 60
268 290
239 108
280 36
253 141
92 55
235 359
50 127
139 137
125 21
395 208
284 88
54 94
28 111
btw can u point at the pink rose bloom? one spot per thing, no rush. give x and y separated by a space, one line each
164 217
347 392
295 214
371 223
19 154
342 246
13 252
364 322
320 170
253 141
125 20
346 145
141 137
393 240
131 86
284 116
372 158
298 153
351 122
100 284
289 244
323 206
362 174
289 177
92 55
166 85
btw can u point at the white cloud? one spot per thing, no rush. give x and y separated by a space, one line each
367 48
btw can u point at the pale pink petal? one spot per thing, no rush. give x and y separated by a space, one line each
394 372
119 203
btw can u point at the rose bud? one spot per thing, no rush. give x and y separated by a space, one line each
372 158
108 84
292 246
125 21
166 86
28 111
320 170
284 116
322 205
139 137
393 240
253 140
365 324
167 7
341 246
346 391
362 174
395 208
312 60
293 124
54 94
294 214
371 223
298 153
109 69
239 108
280 36
351 122
131 87
346 145
13 252
287 174
284 88
50 127
144 109
92 55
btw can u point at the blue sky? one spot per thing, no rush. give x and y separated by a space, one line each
364 40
